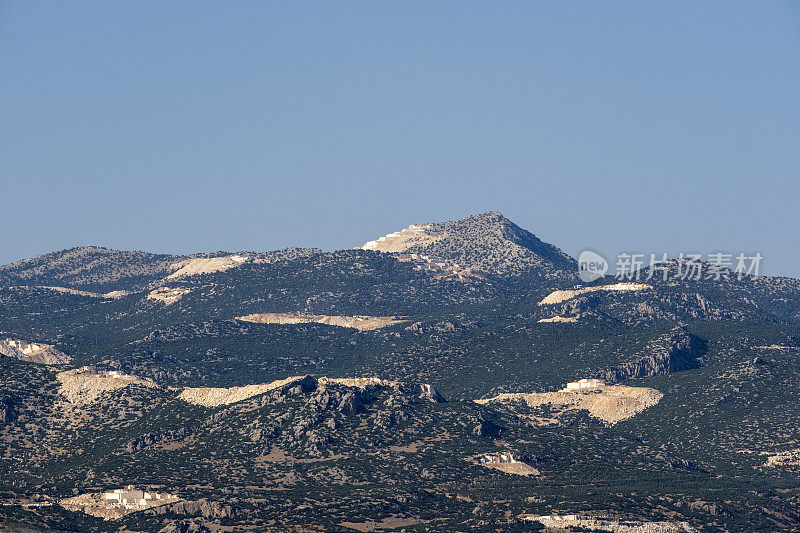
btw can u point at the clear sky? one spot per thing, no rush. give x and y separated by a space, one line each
192 126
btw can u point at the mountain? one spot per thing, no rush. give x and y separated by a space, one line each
488 243
419 384
89 268
101 270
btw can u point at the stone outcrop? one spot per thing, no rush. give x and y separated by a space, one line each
672 352
202 507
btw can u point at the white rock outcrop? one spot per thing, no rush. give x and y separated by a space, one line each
168 295
33 352
207 265
557 297
85 385
610 403
216 396
361 323
559 319
402 240
570 521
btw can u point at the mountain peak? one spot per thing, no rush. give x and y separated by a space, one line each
488 242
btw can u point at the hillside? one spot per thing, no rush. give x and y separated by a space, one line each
355 390
488 242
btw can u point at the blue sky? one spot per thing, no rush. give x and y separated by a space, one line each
191 126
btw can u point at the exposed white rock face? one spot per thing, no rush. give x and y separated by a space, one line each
168 295
564 522
562 319
117 503
610 403
557 297
85 385
33 352
111 295
361 323
215 396
207 265
402 240
506 462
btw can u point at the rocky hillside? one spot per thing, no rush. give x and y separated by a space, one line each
90 268
488 242
202 376
101 270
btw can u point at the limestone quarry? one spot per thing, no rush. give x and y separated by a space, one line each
116 503
361 323
609 403
216 396
557 297
559 319
85 385
570 521
168 295
110 295
506 462
400 241
206 265
33 352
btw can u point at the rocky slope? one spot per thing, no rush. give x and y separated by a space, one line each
672 352
488 242
698 422
361 323
611 404
90 268
33 352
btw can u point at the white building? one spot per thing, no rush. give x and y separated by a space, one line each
497 458
129 497
583 384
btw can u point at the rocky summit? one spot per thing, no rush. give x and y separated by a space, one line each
449 376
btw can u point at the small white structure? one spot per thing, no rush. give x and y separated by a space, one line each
28 348
129 497
583 384
497 458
